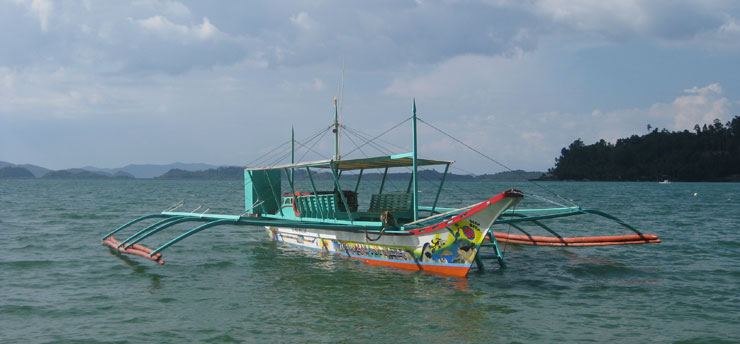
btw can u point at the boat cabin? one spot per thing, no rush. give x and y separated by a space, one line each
264 196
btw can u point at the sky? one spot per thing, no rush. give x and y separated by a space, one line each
110 83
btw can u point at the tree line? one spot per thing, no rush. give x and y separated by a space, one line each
709 153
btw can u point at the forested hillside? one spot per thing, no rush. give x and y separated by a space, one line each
709 153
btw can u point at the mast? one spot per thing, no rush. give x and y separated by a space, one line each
414 172
336 131
292 152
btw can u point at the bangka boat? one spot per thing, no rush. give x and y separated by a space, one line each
392 230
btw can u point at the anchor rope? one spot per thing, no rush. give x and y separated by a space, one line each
497 162
544 199
379 235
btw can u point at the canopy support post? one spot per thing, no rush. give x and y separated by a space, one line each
341 193
382 182
357 186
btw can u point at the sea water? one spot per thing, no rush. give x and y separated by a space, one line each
58 284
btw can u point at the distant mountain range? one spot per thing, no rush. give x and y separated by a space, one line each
149 170
90 172
183 171
37 171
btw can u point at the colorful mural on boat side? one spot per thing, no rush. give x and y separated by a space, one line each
457 245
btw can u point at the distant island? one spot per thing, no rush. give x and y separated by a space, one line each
709 153
14 172
180 171
21 171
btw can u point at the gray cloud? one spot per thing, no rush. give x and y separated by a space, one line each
162 36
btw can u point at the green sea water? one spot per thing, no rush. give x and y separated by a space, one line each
58 284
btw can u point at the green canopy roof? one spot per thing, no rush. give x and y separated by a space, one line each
398 160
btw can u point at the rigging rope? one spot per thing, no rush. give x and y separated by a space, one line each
310 149
387 151
383 133
495 161
355 143
367 142
365 137
265 154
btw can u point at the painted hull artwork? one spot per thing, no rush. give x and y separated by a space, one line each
448 247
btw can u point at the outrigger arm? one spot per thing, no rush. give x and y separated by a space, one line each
131 244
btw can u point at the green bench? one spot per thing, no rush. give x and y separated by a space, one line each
399 204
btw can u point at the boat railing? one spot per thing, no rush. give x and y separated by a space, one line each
318 206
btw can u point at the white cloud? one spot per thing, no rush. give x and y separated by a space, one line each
697 105
457 77
700 105
303 21
169 30
42 9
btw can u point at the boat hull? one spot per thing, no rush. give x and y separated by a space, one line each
447 247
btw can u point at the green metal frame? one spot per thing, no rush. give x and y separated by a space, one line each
341 194
189 233
139 219
382 182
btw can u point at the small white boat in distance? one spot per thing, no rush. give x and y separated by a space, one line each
665 181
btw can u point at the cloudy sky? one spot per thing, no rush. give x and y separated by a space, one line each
108 83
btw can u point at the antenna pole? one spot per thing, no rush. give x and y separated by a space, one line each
336 131
414 177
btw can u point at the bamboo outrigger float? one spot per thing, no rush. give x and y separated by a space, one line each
388 232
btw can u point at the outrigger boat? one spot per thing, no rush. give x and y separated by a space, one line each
389 231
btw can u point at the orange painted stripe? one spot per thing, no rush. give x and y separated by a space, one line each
454 271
